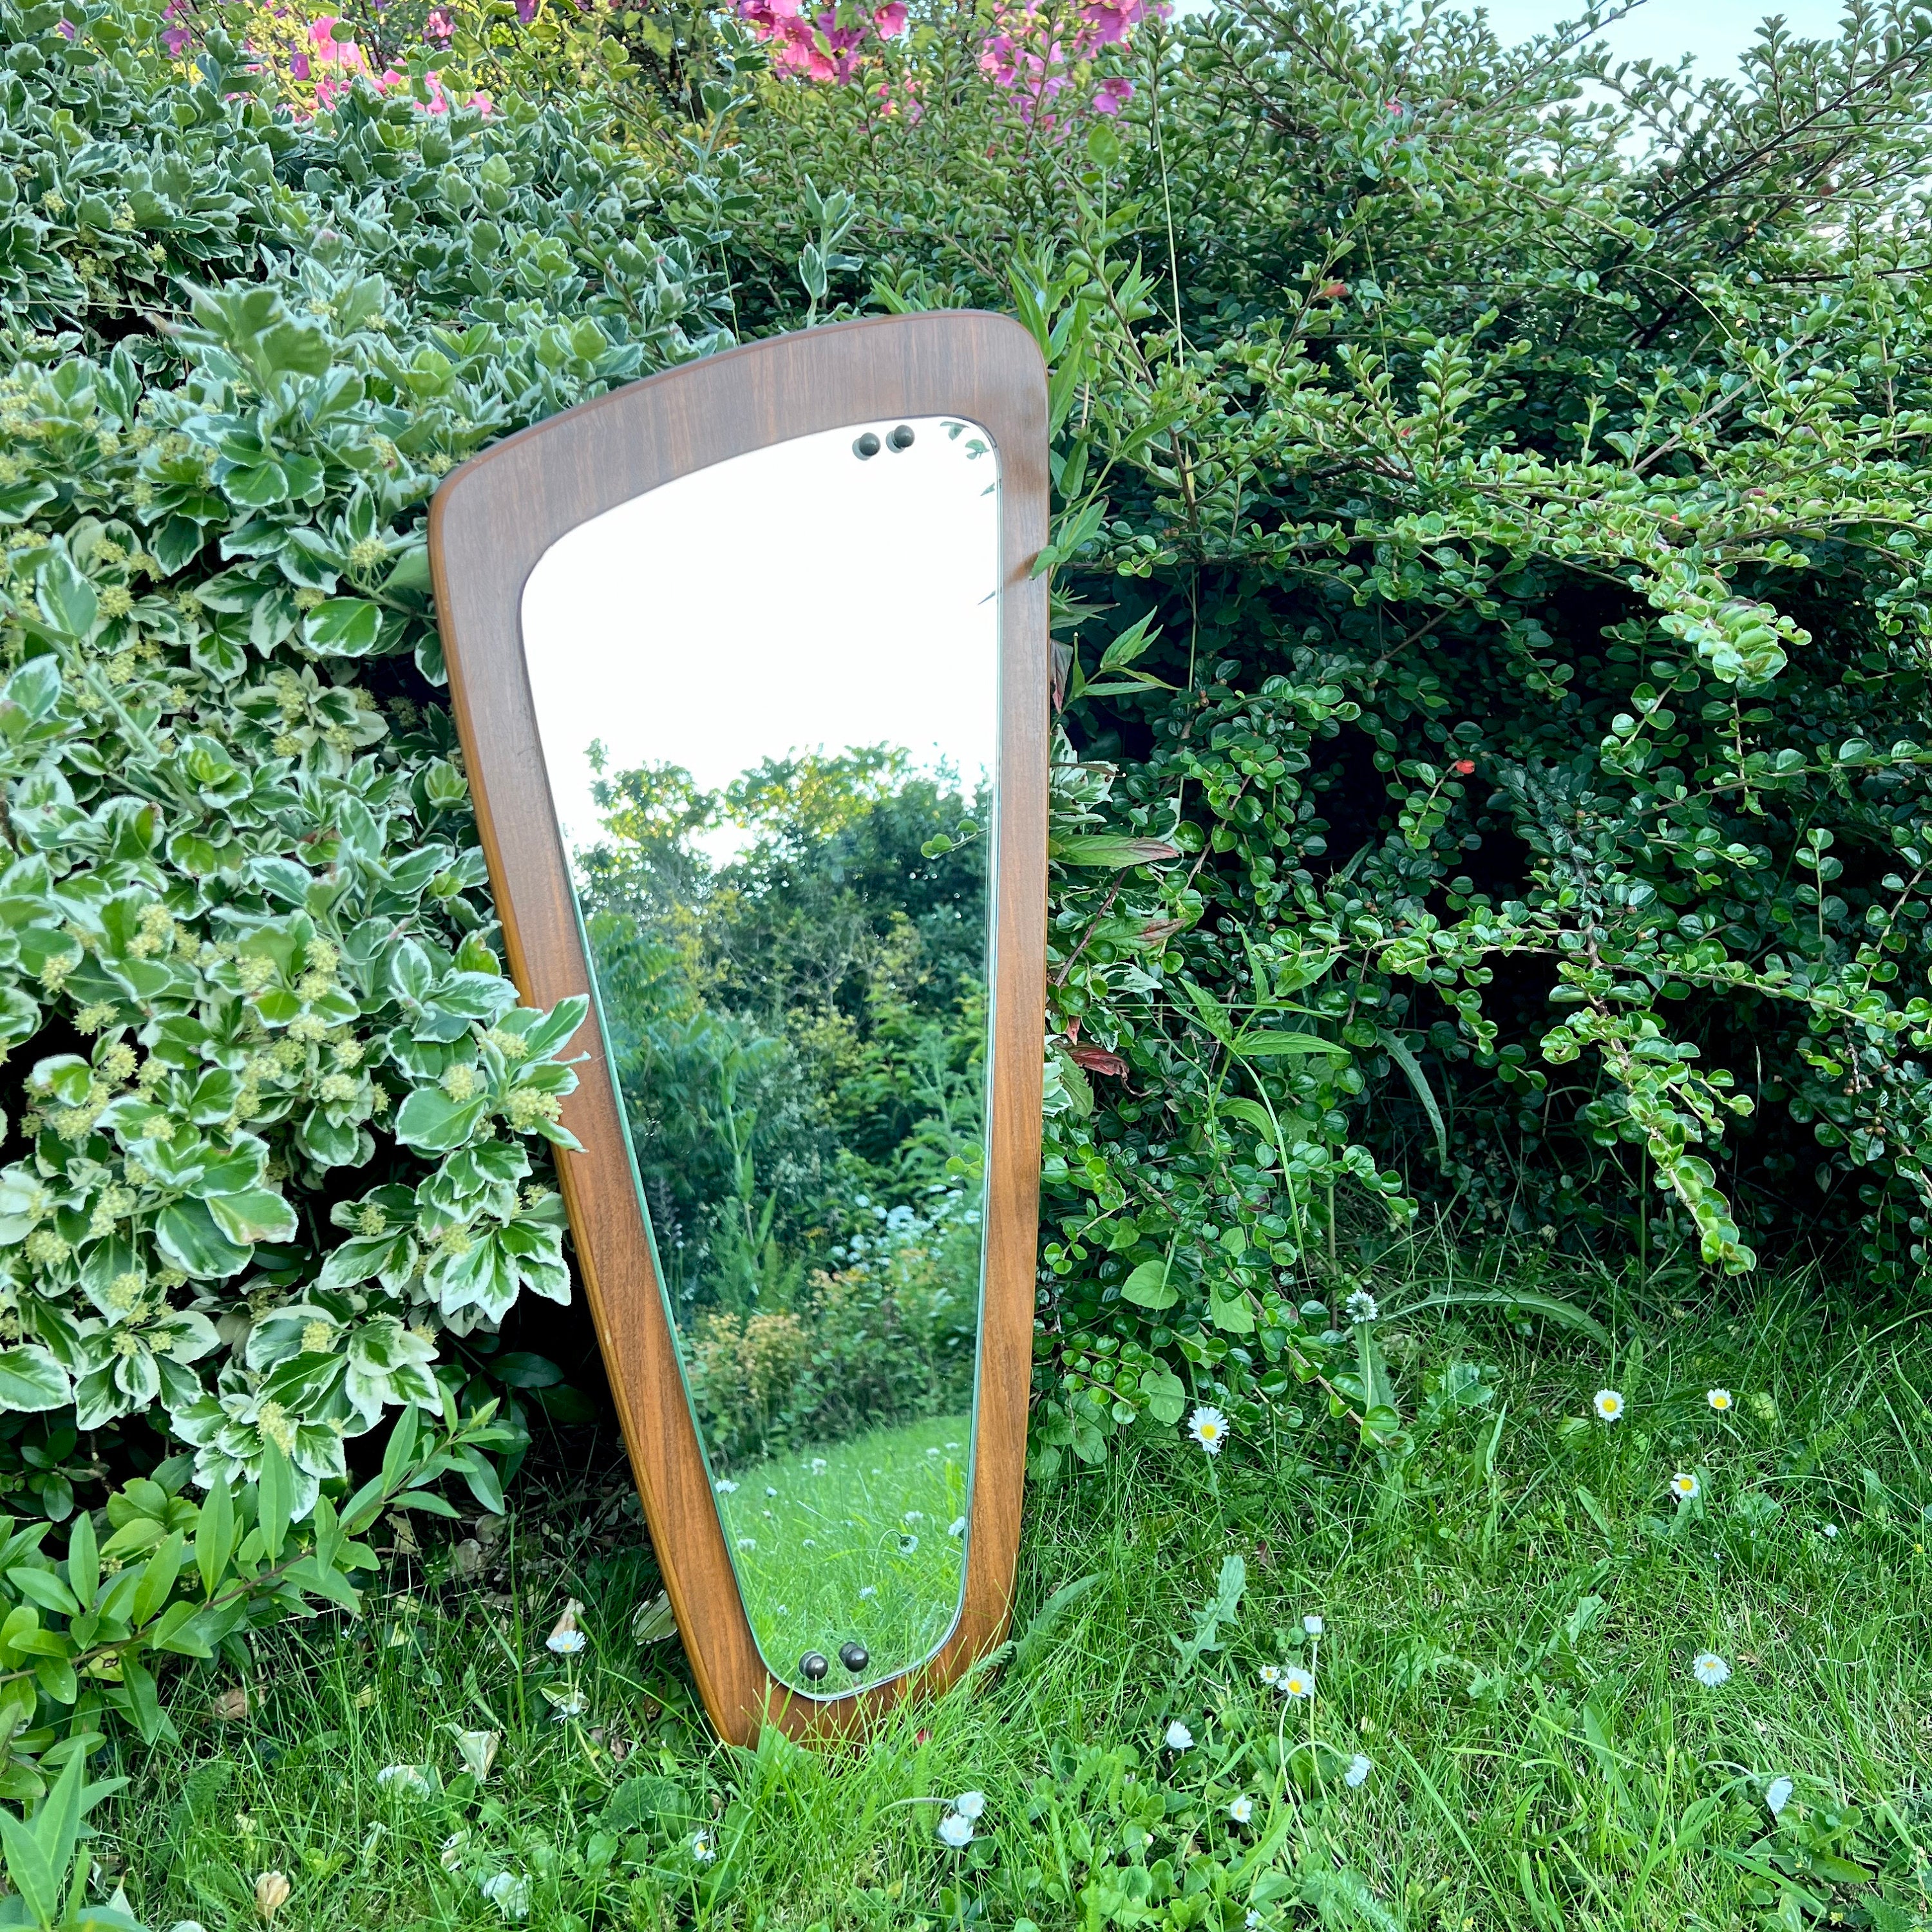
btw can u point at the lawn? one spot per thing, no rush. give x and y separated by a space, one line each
1507 1728
858 1540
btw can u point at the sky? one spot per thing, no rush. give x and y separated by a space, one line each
799 598
1714 32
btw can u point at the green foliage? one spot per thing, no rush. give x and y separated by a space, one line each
275 1136
1488 552
1589 1778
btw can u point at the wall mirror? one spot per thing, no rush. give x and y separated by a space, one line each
750 675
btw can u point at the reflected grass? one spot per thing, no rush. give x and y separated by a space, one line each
851 1542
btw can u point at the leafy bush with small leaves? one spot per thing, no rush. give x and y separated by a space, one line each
1488 577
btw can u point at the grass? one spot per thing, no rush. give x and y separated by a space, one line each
1509 1620
853 1541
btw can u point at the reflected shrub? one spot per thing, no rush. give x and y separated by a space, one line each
886 1336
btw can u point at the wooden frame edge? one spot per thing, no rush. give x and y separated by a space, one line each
489 522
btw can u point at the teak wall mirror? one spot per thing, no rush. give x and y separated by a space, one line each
750 673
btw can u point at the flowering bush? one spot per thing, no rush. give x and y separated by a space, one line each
277 1127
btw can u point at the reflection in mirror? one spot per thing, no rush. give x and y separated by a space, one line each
767 697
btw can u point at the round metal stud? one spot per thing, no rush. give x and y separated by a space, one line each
902 438
855 1657
867 445
812 1666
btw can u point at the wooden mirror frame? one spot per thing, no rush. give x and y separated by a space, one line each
489 522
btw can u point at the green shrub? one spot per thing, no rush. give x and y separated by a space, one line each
1488 576
275 1104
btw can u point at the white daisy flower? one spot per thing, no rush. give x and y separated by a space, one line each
1314 1626
908 1542
1242 1810
1361 1307
1609 1405
1271 1674
1179 1737
1297 1682
1253 1921
1830 1529
970 1804
1357 1775
870 1590
725 1486
1685 1486
703 1847
1709 1669
1719 1399
955 1831
1208 1427
770 1491
566 1639
748 1543
1777 1795
819 1465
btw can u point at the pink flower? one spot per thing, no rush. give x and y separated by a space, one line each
439 26
322 31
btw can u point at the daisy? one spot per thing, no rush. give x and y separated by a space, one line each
870 1590
703 1847
1208 1427
1709 1669
819 1465
956 1830
1685 1486
1830 1529
1361 1307
1297 1682
1357 1775
1271 1674
970 1804
1314 1626
1179 1737
1719 1399
1242 1810
725 1486
566 1639
1609 1405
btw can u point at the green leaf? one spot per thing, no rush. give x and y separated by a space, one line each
255 1214
31 1380
343 627
429 1121
215 1535
186 1233
1517 1301
1148 1286
1412 1067
1261 1044
83 1561
67 599
274 1498
1108 849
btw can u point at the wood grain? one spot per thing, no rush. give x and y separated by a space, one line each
489 522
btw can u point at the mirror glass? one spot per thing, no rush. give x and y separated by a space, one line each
767 695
